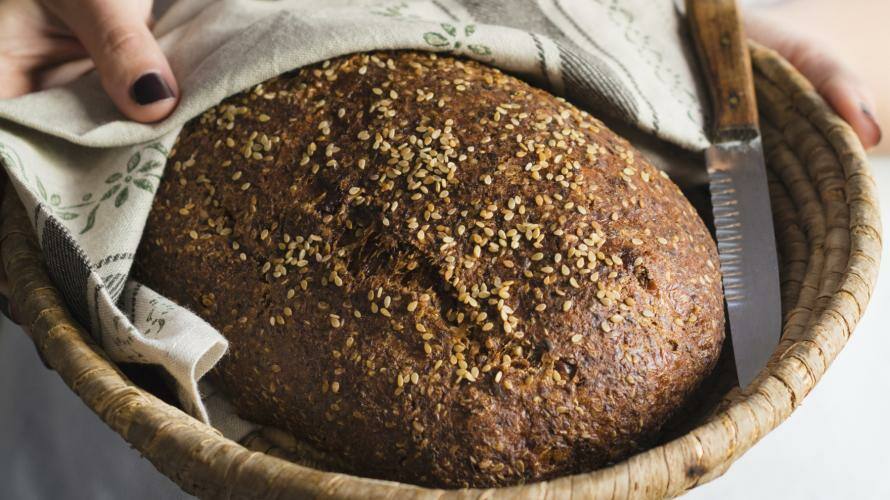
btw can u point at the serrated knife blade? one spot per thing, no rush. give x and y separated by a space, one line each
747 249
739 190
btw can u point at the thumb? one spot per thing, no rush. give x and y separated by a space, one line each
134 71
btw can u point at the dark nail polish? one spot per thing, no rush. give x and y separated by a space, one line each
150 88
867 112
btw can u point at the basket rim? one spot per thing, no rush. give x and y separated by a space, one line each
202 461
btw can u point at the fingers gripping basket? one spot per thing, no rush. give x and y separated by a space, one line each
829 237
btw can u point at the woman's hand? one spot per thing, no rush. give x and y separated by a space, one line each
843 90
40 40
37 38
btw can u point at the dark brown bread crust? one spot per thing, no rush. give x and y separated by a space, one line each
436 272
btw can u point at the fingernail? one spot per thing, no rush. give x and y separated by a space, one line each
867 112
150 88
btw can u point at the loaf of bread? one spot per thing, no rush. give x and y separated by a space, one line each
435 272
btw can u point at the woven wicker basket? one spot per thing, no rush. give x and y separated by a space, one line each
829 237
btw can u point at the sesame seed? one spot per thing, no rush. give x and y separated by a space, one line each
566 305
576 338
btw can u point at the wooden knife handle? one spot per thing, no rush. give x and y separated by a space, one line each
723 55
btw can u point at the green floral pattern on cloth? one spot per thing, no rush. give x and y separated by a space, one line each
455 39
139 172
396 10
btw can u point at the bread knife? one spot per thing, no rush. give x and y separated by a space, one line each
738 183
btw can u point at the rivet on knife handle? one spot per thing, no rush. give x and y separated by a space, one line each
726 64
